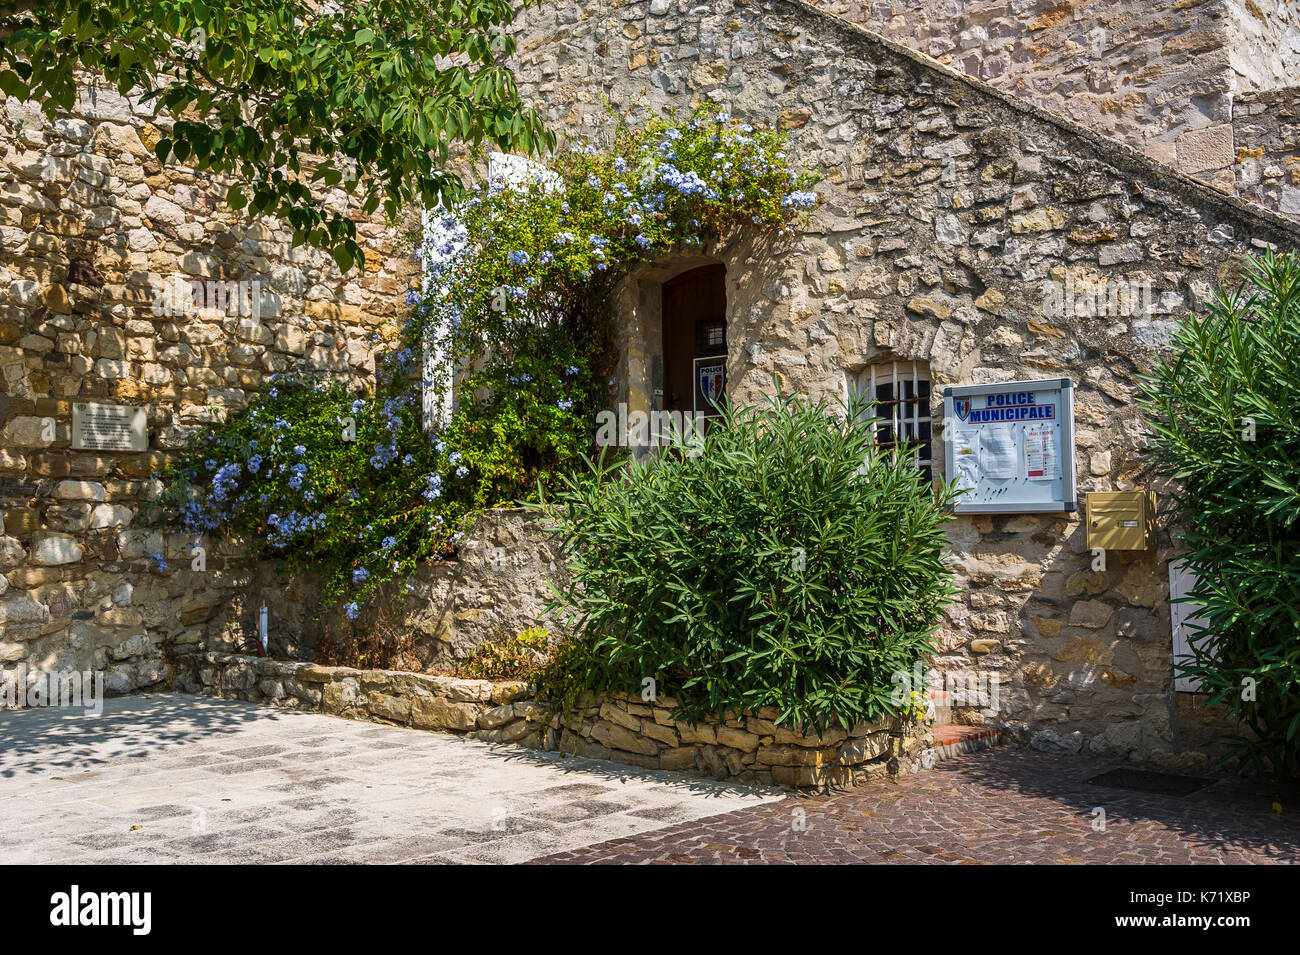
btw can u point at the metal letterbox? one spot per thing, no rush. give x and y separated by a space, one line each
1121 520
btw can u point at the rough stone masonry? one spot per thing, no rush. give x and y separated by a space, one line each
951 211
952 215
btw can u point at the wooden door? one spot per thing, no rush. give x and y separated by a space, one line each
695 327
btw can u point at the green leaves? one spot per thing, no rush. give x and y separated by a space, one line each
1225 413
265 84
787 565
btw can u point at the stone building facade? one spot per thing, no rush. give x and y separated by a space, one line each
951 211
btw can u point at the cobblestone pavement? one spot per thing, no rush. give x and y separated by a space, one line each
999 806
183 779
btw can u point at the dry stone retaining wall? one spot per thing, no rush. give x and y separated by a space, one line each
752 749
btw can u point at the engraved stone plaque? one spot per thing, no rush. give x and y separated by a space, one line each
99 427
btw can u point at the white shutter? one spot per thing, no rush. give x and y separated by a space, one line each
1183 616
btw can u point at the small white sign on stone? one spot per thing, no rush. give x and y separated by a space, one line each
100 427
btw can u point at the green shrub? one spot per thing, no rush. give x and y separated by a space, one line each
789 564
1226 410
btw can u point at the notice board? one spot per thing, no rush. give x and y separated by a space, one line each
1010 446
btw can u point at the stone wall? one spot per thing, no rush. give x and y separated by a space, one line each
951 214
496 587
1166 78
95 236
752 749
1267 162
1264 43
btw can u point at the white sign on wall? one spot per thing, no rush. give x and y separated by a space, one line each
103 427
1010 446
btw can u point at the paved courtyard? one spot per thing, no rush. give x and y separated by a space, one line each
174 778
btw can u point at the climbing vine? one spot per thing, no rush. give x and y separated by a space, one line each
515 305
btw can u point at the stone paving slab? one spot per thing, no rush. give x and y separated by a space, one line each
182 779
1005 806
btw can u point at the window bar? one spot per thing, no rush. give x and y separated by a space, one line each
897 412
916 411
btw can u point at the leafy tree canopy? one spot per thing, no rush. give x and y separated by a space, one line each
284 95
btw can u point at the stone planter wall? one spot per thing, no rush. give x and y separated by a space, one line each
752 749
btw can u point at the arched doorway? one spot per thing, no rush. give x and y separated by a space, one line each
694 316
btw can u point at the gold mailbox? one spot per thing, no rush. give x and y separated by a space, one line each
1121 520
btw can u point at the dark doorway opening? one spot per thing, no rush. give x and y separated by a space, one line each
695 340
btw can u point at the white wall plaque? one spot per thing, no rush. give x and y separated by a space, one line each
98 427
1010 446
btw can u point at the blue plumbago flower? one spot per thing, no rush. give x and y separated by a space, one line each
439 445
634 219
210 464
564 404
687 183
564 238
358 405
295 482
571 370
593 181
546 258
225 481
388 543
255 463
408 460
432 487
360 575
518 258
800 200
462 471
412 296
160 561
275 392
299 450
352 610
454 458
252 445
643 241
620 164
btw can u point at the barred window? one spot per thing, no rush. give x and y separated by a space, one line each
898 393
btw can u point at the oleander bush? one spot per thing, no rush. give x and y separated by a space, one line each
1225 410
788 564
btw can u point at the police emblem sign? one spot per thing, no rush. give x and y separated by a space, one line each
710 383
1010 446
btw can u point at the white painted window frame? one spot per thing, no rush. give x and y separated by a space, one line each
896 372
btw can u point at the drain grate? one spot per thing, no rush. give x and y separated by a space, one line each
1143 781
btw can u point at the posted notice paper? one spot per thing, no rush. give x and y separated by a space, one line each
998 452
1041 462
